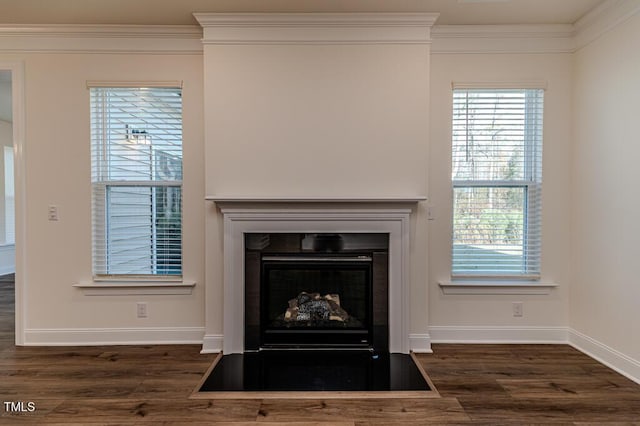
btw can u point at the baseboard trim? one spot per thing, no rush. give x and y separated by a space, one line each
420 343
113 336
212 343
498 335
623 364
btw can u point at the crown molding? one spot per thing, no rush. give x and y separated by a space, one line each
316 28
162 39
118 31
556 38
566 38
602 19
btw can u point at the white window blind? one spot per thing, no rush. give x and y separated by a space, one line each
136 158
497 178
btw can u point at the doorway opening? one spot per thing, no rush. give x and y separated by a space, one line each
7 211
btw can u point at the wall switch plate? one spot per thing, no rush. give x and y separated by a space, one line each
141 309
53 212
431 213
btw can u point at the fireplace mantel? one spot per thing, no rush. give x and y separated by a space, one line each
258 200
244 214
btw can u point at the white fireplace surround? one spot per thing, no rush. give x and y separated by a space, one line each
314 215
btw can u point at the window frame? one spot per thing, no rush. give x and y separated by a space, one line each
531 184
102 182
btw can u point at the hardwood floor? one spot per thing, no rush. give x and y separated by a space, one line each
479 384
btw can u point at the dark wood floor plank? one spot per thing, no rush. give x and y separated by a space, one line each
154 411
398 411
543 411
566 387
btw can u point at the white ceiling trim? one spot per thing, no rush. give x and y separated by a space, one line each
98 30
177 39
326 28
503 39
316 28
533 38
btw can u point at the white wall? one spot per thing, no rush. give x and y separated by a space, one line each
320 120
490 317
605 226
57 155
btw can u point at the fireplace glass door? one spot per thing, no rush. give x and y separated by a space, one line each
316 299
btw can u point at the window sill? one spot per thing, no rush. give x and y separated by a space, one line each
496 287
135 287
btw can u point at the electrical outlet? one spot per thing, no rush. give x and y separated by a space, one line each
141 309
517 309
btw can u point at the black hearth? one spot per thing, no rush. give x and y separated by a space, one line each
316 291
316 370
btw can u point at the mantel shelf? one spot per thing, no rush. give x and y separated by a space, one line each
247 199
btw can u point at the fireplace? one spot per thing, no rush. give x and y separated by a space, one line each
316 291
313 274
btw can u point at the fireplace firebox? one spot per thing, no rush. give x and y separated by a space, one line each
316 291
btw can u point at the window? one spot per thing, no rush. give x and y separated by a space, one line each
497 177
136 159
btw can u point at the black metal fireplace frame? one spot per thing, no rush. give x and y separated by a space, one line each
374 246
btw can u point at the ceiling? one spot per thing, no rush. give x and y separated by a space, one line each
179 12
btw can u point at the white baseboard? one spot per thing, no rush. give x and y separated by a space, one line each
211 344
498 335
420 343
113 336
610 357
